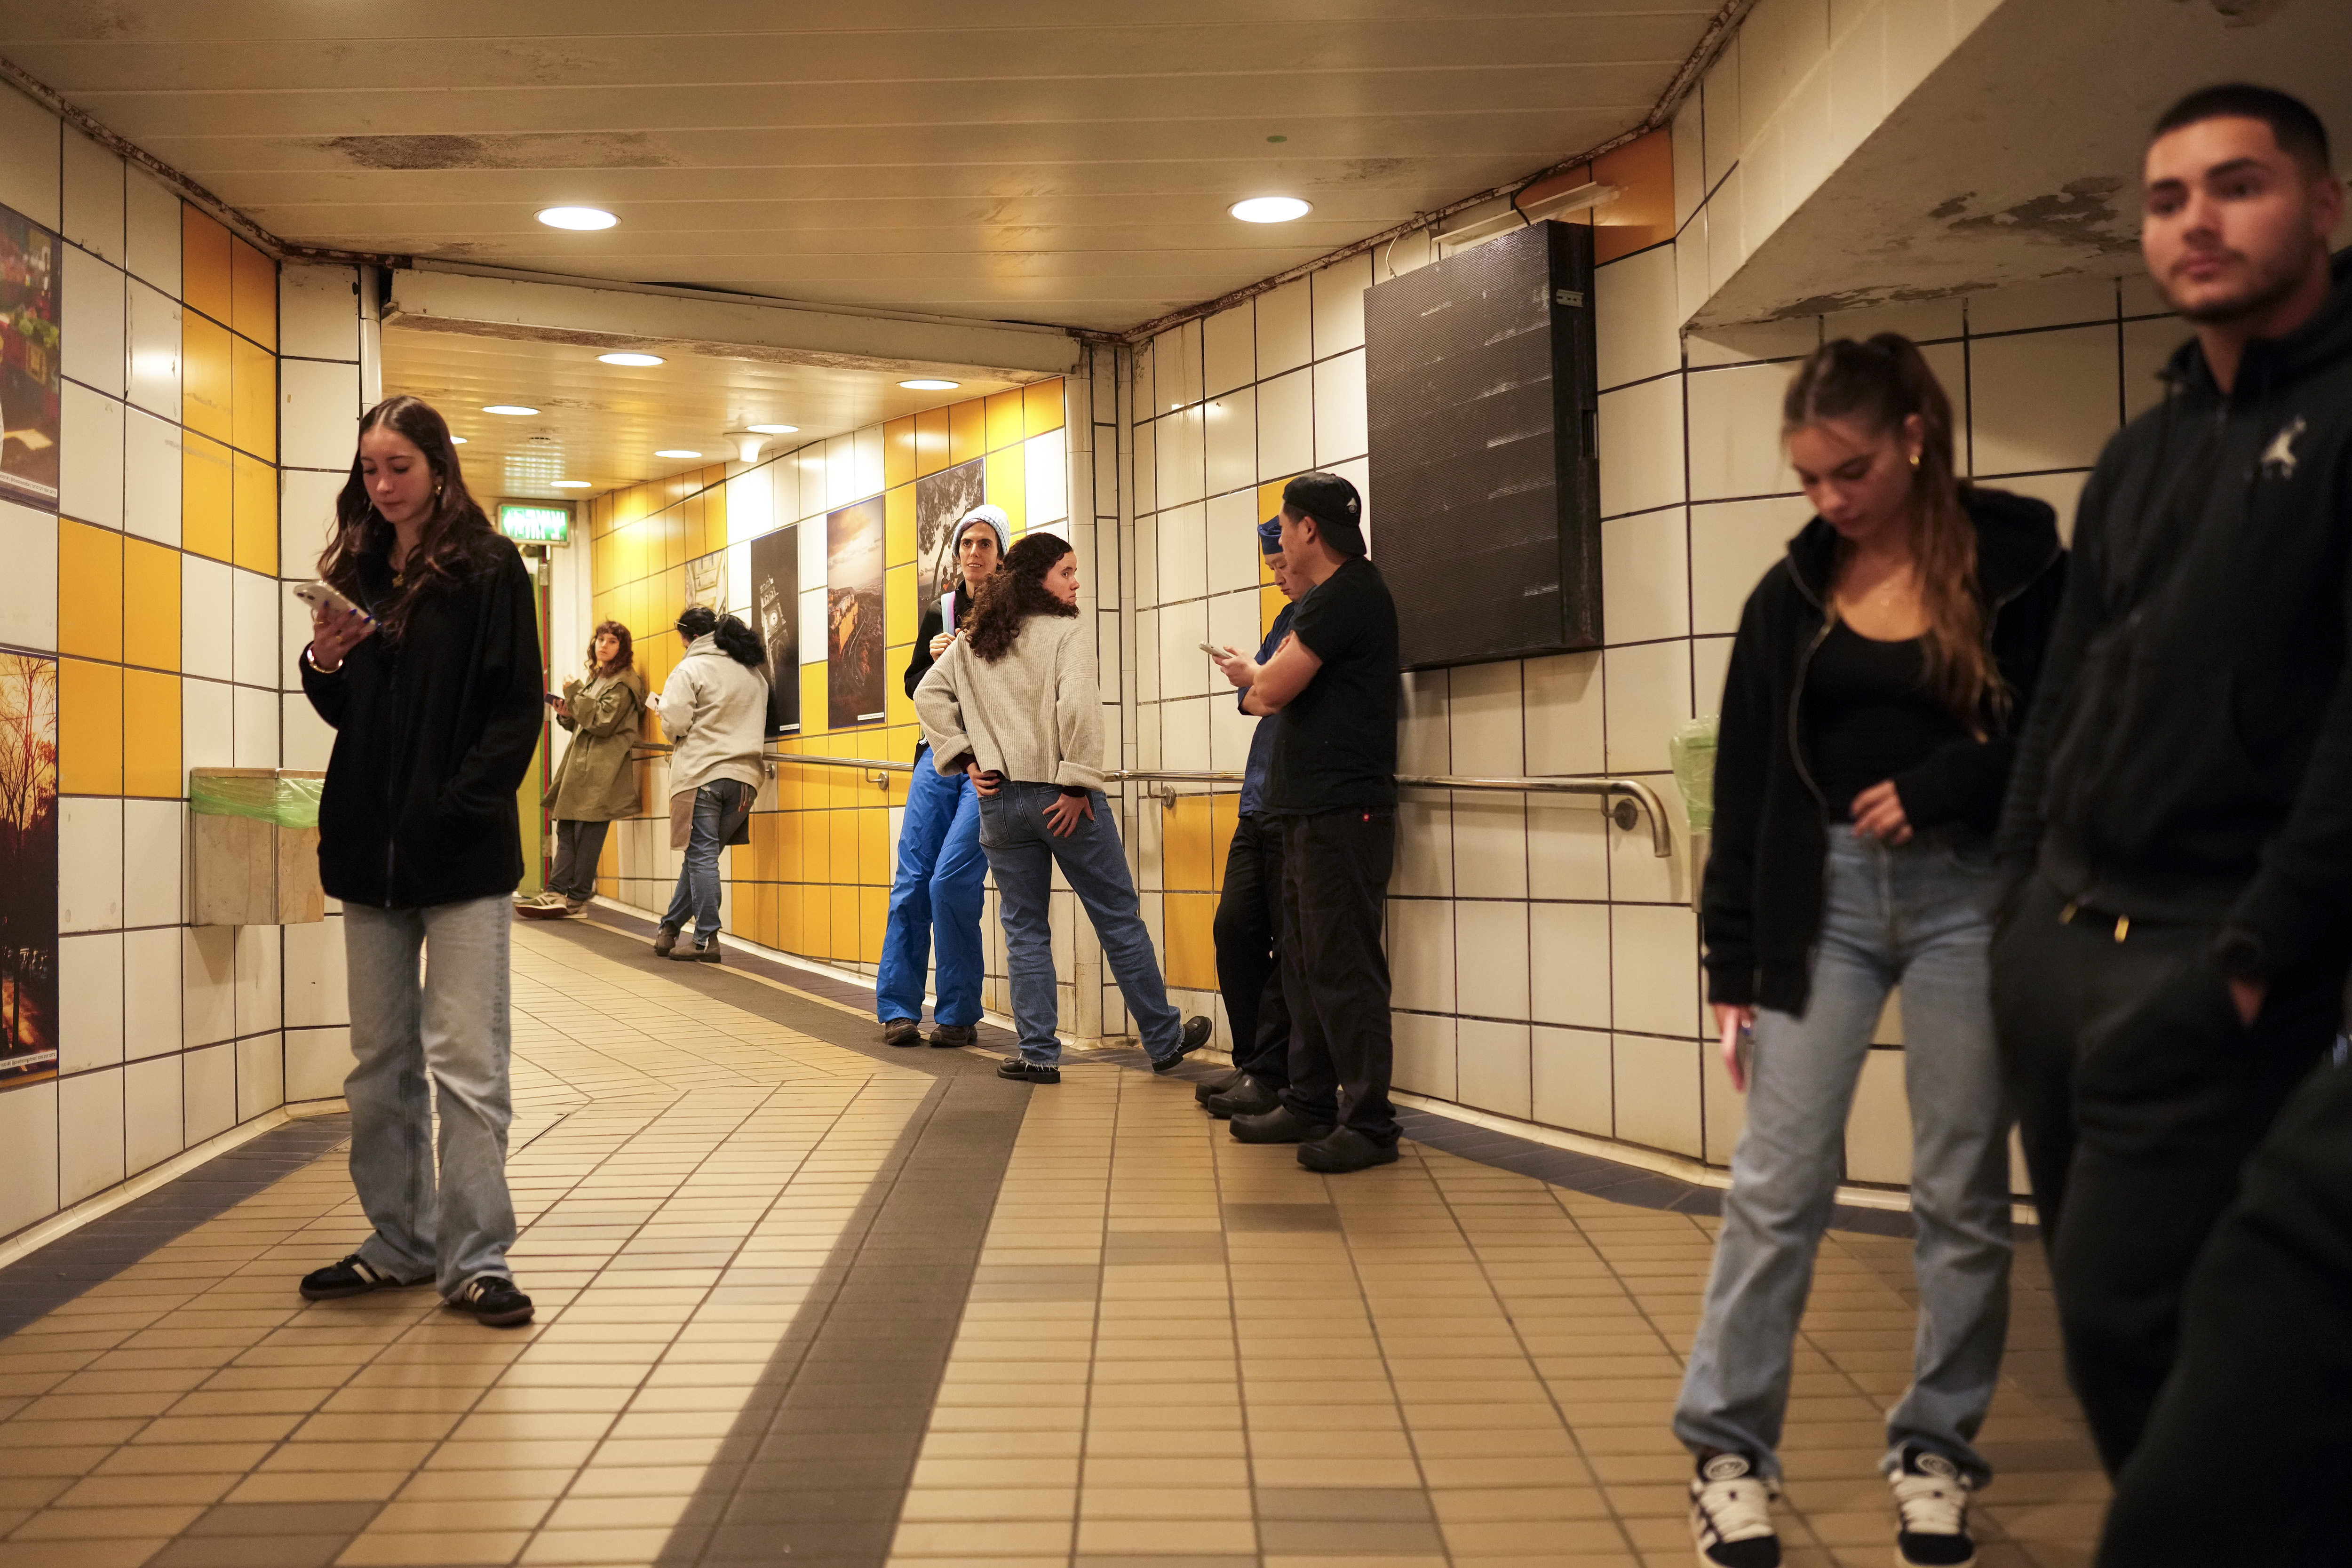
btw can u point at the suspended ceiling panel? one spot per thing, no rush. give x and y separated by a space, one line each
1059 161
604 422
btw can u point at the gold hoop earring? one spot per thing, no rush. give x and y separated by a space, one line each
1914 459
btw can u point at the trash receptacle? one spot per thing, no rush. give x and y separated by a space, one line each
1692 750
254 846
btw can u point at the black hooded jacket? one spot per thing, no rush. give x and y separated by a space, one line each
1762 898
2191 759
433 736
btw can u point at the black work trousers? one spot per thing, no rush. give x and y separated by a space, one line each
578 846
1334 973
2139 1094
2241 1458
1248 929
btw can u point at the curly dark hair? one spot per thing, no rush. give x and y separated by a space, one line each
1015 593
626 660
736 640
458 539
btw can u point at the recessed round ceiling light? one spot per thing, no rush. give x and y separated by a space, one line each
630 359
772 429
930 383
675 452
457 440
1270 209
577 218
507 408
569 484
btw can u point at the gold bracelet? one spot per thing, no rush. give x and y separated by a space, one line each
311 660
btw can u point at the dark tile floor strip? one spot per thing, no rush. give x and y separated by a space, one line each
48 1277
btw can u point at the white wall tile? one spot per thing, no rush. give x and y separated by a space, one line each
1228 350
868 457
29 150
304 740
1654 968
1857 92
1572 1080
1494 1070
1633 318
1569 983
1235 556
1490 847
90 1140
260 1074
1658 1092
152 1113
1184 731
1285 426
1735 432
1339 305
2043 400
1878 1124
92 344
306 517
1648 695
1046 461
318 313
208 1083
259 979
1918 35
1230 424
208 982
1732 545
2062 491
29 588
1727 220
2056 303
1921 321
254 608
89 1001
1422 746
1489 726
93 197
1425 852
206 618
254 712
1641 440
1491 962
1424 1053
152 231
1182 552
1285 328
1181 459
1646 576
154 335
1339 427
28 1124
151 834
2148 345
1420 954
1563 705
151 478
319 413
1723 1108
153 1015
89 435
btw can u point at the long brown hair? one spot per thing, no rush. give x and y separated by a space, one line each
1879 384
457 537
626 660
1016 592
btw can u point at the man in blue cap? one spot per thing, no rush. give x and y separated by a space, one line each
1249 910
1332 781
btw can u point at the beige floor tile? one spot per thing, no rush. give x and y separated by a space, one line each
385 1550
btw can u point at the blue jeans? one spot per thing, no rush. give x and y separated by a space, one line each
1022 851
455 1225
940 879
697 898
1916 915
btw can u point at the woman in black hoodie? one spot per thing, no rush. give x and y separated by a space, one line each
433 686
1878 676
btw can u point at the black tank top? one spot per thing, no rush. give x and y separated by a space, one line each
1868 714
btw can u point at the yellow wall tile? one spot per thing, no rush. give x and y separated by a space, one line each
206 496
150 734
841 828
254 387
898 526
816 921
208 400
967 430
843 939
1225 817
1185 860
90 728
714 515
1008 487
1042 406
1269 607
874 867
788 920
89 591
897 708
813 702
1189 925
934 441
1269 496
899 451
253 287
873 915
205 281
1005 422
253 524
898 611
150 605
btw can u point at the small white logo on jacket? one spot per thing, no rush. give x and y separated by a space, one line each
2278 457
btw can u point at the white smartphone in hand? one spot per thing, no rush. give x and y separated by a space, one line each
1213 651
322 596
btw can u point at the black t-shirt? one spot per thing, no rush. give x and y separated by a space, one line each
1869 715
1335 746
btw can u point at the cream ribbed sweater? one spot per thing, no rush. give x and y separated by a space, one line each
1035 716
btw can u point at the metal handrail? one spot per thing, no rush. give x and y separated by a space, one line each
1634 798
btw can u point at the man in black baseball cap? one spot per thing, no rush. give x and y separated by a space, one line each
1331 783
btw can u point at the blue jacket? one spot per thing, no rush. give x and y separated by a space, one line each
1262 742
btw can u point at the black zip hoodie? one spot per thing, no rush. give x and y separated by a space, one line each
2191 760
433 736
1761 899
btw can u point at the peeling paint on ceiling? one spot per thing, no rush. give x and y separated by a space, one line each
528 150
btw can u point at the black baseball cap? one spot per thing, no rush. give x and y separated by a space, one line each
1334 505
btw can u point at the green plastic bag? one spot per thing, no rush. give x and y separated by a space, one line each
284 802
1693 749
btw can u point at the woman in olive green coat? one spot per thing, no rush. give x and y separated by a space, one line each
594 782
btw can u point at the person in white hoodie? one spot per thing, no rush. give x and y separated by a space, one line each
1013 704
714 707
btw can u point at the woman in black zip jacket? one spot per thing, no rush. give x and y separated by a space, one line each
433 686
1878 676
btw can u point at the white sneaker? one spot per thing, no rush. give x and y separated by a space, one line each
1731 1514
1931 1496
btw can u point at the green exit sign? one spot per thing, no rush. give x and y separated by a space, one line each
535 524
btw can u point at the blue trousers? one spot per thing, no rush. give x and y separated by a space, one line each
938 888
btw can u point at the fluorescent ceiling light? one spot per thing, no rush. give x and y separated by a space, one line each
930 383
569 484
1270 209
507 408
577 218
675 452
630 359
773 429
